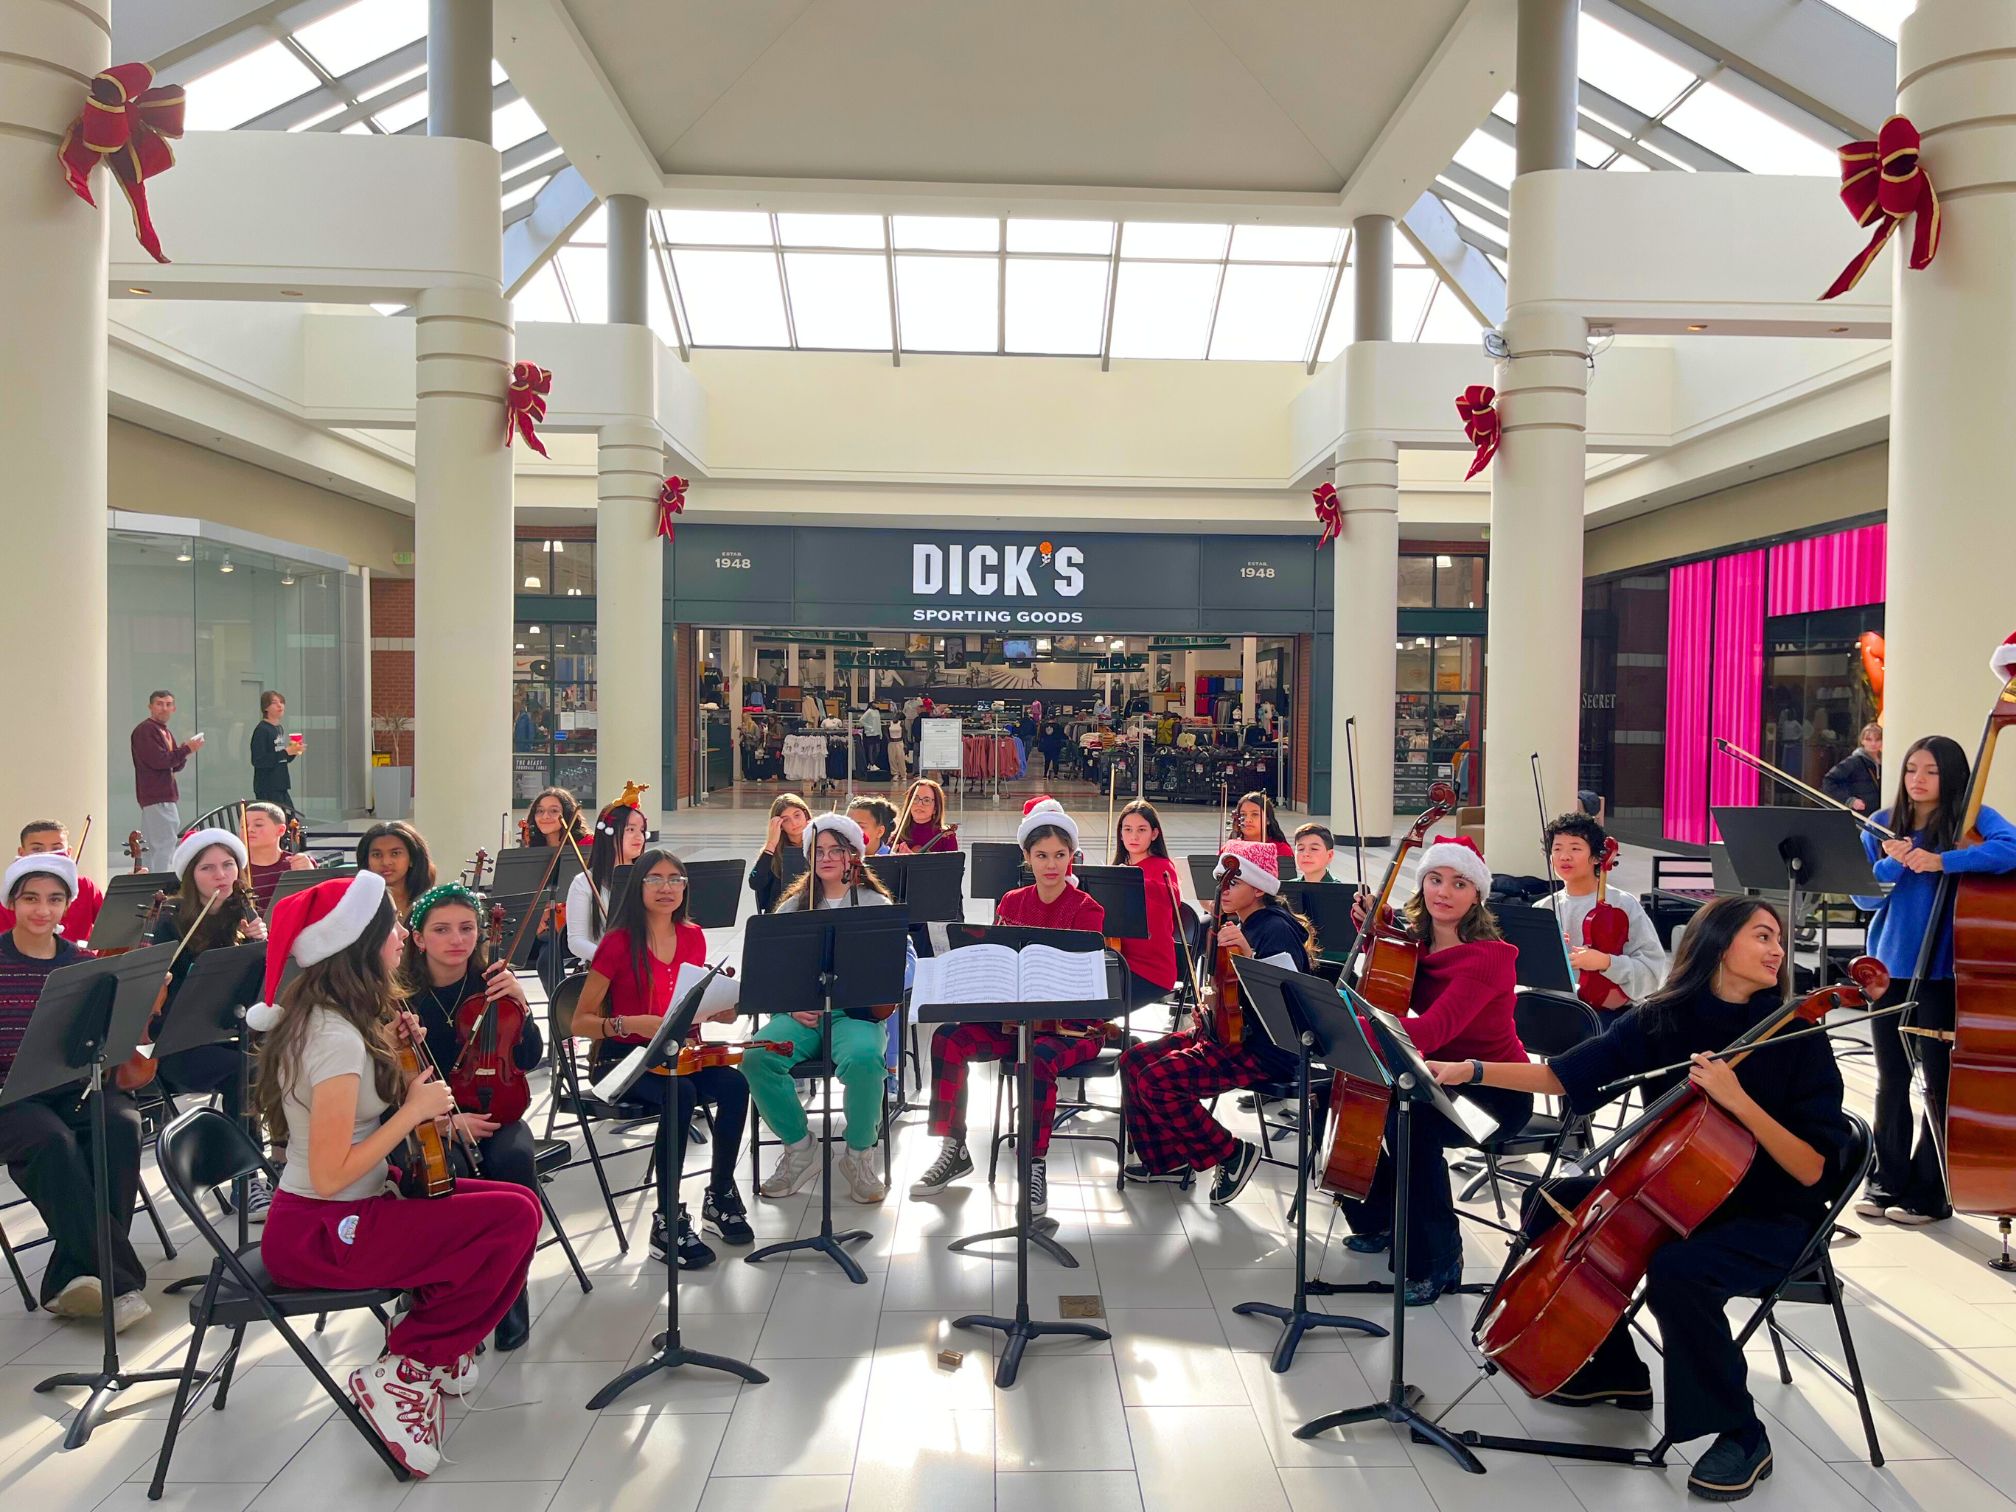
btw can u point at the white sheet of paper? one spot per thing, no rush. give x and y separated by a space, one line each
621 1076
1050 975
971 974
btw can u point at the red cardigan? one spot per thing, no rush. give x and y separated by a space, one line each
1154 959
1462 1007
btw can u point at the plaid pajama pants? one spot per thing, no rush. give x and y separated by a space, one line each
1167 1082
956 1046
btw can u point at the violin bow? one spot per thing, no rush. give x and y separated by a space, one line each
1351 770
1547 871
1786 779
1639 1078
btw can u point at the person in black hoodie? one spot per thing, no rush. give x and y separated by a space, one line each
768 873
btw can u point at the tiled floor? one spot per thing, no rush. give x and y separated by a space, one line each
1178 1411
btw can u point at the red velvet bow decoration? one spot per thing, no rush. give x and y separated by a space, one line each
525 405
1478 405
1882 182
671 501
125 124
1328 514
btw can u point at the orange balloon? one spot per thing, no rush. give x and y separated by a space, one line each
1870 644
1045 548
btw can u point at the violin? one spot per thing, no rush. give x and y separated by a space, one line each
1226 1020
1606 927
486 1079
1387 958
1672 1168
140 1068
424 1170
137 851
706 1054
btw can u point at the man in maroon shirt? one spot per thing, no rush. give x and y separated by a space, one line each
156 760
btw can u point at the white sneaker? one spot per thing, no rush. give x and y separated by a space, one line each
459 1379
795 1170
402 1403
862 1171
82 1298
129 1308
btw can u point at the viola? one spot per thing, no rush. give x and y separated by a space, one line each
1387 958
1226 1020
1670 1170
1606 927
486 1079
424 1170
707 1054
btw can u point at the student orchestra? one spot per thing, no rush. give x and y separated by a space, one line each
388 967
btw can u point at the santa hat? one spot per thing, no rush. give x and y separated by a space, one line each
842 826
39 864
1459 855
198 841
1256 863
2004 660
1045 813
310 926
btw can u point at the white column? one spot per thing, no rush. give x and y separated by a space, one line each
629 612
52 428
732 684
791 663
1189 689
462 575
1365 562
1249 678
1950 602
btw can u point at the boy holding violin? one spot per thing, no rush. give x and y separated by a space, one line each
1632 971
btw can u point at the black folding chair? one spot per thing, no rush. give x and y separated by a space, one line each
583 1110
204 1149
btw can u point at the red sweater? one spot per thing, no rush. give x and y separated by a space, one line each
1463 1003
1154 959
1073 909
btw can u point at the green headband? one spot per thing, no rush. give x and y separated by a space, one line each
447 892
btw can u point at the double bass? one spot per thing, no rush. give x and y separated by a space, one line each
1670 1170
1386 958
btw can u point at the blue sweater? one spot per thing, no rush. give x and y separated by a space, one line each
1901 917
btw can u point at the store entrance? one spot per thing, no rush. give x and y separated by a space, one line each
827 713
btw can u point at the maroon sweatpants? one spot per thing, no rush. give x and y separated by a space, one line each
955 1046
463 1258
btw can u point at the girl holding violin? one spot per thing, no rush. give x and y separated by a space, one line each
554 816
629 988
1151 962
1725 982
1049 840
1168 1081
924 830
619 840
1632 971
396 852
443 967
1460 1006
789 814
45 1140
1907 1184
1253 819
331 1088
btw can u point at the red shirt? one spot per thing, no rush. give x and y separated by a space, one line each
77 918
156 759
1154 959
627 997
1462 1005
1074 909
263 879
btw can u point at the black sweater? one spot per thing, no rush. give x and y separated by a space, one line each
435 1007
270 759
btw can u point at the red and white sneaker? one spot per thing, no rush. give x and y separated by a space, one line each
459 1379
401 1400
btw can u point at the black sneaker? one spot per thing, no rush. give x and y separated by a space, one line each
1039 1188
1140 1175
692 1253
954 1161
1733 1466
722 1213
1235 1173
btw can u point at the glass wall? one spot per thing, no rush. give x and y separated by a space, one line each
553 707
1816 698
1623 733
217 624
1438 718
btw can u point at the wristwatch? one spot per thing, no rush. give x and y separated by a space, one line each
1476 1072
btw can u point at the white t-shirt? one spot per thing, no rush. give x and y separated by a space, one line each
582 935
333 1048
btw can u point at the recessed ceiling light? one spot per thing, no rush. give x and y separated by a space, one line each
1838 330
287 579
136 289
184 555
225 565
292 293
1702 326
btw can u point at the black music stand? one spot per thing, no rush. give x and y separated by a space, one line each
1021 1328
1203 876
997 868
293 882
122 921
1400 1065
88 1020
825 961
209 1008
669 1352
1326 905
1814 850
1123 892
1536 934
928 886
1306 1012
714 892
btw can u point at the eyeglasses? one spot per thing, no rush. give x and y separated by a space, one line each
664 882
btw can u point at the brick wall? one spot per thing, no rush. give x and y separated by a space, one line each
392 663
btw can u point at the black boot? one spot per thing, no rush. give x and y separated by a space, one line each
515 1327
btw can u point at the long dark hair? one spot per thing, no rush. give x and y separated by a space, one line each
803 884
1157 846
1710 933
222 924
354 985
1266 806
413 976
419 864
627 913
1309 942
1943 833
602 860
570 817
1478 924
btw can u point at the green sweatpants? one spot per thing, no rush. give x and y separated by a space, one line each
857 1061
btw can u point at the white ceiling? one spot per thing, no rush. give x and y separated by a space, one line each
1269 95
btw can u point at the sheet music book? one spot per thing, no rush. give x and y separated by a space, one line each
1459 1110
998 974
723 991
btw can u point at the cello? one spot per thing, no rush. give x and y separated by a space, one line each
1670 1170
1387 958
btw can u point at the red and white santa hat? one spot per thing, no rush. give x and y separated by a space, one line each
38 864
1257 863
1045 812
198 841
1459 855
839 824
310 926
2004 660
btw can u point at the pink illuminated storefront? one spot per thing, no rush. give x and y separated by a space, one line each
1754 646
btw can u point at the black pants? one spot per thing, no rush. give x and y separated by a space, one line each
1140 991
1434 1235
207 1069
723 1088
1907 1170
45 1143
1688 1287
